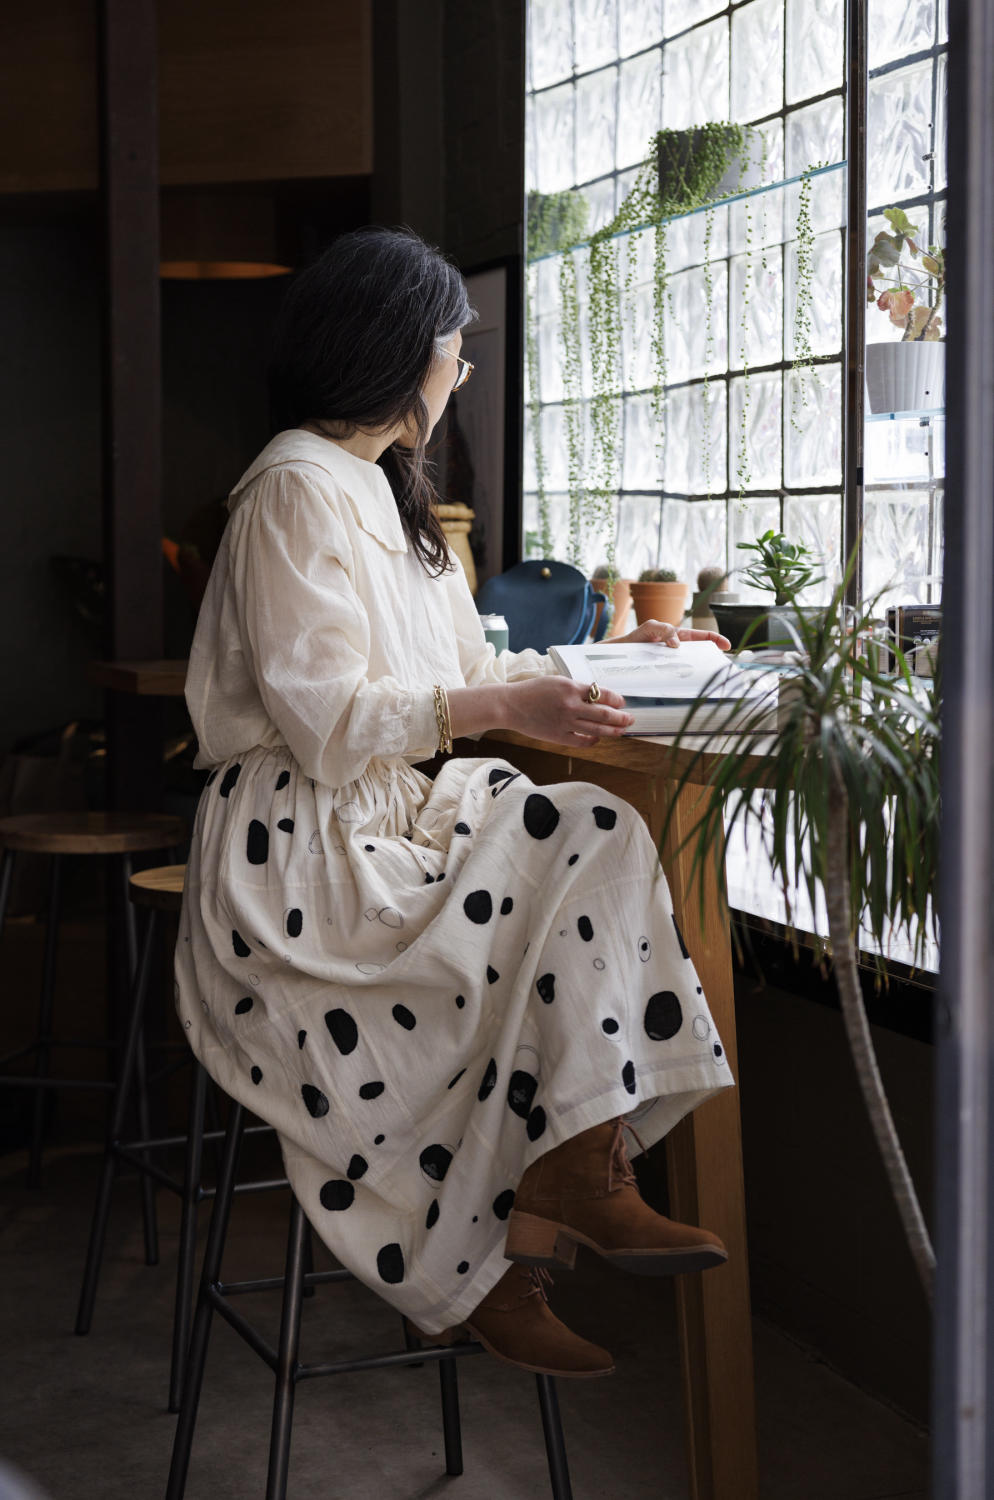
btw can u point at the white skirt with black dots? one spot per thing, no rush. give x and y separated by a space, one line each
424 986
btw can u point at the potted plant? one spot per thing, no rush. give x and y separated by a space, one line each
706 162
710 581
605 580
906 374
844 802
782 568
657 594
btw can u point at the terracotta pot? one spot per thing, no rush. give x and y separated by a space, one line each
621 603
660 601
456 522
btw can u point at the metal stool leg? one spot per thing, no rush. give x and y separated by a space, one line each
98 1228
555 1446
286 1369
193 1376
188 1234
448 1381
6 871
149 1220
45 1019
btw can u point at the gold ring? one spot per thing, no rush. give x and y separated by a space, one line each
594 693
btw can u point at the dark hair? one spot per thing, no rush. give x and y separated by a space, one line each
355 340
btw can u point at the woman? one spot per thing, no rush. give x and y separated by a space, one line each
439 993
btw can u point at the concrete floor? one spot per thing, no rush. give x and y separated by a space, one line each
86 1417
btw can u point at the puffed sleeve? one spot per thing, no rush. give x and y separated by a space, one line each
306 633
477 657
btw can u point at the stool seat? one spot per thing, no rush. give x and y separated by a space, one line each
161 888
90 832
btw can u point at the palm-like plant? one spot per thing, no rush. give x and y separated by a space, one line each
845 797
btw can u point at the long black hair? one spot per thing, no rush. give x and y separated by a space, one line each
356 337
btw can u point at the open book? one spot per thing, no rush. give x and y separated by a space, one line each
662 684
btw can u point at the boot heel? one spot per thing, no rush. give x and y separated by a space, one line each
538 1242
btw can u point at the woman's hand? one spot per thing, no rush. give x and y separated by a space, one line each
670 635
557 709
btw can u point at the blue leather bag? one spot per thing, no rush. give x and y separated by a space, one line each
545 603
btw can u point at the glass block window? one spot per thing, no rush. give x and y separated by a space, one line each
738 442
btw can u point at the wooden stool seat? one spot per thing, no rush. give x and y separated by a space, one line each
160 888
90 832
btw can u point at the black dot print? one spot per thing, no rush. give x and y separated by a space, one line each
546 986
609 1026
429 880
462 828
536 1123
241 947
663 1016
435 1162
645 950
572 859
301 1038
499 774
371 1090
492 975
441 875
211 779
460 1001
455 1080
404 1017
317 1103
503 1203
357 1167
699 990
256 1075
431 1217
479 907
343 1029
336 1195
503 784
476 1218
521 1092
605 817
244 1006
257 843
541 816
285 825
628 1076
585 928
282 780
378 1140
228 780
489 1081
462 1267
718 1052
294 922
679 937
506 906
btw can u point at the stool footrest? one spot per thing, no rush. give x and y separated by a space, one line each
29 1080
275 1283
385 1361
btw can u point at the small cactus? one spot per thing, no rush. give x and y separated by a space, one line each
657 575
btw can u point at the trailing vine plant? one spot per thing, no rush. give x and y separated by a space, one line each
803 366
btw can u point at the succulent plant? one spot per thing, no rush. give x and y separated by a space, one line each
657 575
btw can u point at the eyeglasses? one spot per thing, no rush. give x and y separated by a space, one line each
465 371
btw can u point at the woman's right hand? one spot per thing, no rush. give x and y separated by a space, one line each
557 709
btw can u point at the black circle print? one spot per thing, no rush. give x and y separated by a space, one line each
431 1217
378 1140
585 928
605 817
317 1103
499 774
488 1082
285 825
536 1123
506 906
256 1075
462 828
301 1038
492 975
679 936
371 1090
337 1195
546 985
663 1016
357 1168
503 1203
521 1092
228 780
452 1083
244 1006
628 1076
241 947
718 1050
479 906
282 780
257 843
344 1031
541 817
462 1267
609 1026
293 922
460 1001
645 949
404 1017
572 859
435 1161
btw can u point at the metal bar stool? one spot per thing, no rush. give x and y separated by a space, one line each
283 1360
113 835
158 891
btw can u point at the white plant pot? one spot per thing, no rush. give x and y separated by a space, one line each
907 375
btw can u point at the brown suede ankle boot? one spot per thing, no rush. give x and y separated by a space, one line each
584 1193
515 1322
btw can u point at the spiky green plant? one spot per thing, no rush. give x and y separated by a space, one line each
845 799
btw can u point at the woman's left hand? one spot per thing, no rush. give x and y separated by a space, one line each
670 635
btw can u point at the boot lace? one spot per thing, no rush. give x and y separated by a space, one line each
541 1280
620 1172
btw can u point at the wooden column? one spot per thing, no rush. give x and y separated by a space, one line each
129 177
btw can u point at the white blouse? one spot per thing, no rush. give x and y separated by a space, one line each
321 630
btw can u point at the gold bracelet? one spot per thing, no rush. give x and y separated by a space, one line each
442 719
